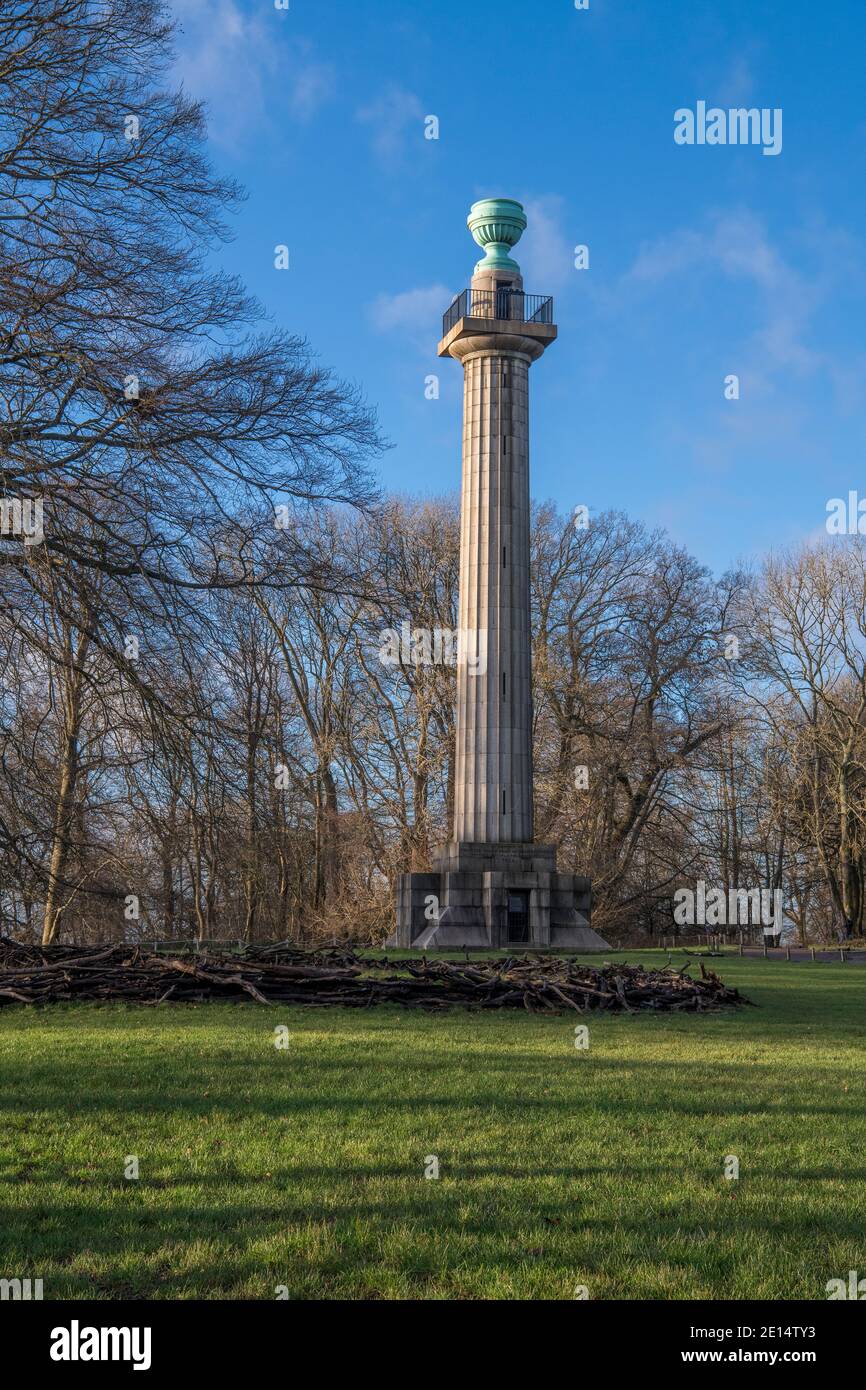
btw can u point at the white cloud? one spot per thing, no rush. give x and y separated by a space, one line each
313 86
231 60
734 242
738 84
849 382
417 314
774 343
389 118
545 253
736 245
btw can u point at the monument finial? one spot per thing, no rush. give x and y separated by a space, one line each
497 224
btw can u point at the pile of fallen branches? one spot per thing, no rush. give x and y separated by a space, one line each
336 976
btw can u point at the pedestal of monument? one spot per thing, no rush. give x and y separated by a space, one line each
494 895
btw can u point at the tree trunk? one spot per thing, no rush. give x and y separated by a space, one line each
64 816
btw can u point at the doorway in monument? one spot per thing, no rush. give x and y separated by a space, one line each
518 917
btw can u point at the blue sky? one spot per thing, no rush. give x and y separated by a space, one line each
704 260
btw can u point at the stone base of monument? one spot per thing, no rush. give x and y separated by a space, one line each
494 895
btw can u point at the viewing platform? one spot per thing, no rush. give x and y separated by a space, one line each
480 312
502 305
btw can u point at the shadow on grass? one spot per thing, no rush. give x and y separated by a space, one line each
518 1083
234 1234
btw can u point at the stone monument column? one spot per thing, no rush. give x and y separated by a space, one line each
491 885
493 772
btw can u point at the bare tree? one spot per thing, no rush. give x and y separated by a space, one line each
142 406
803 623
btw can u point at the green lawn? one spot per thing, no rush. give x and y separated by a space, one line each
559 1167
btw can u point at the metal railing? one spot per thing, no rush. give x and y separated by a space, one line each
498 304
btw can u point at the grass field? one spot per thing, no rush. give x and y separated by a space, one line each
559 1167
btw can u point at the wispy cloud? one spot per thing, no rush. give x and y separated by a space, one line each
313 85
738 84
390 119
737 246
416 314
233 60
545 252
776 344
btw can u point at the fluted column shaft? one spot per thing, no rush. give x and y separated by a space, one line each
493 774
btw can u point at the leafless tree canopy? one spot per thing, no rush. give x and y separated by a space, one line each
159 427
